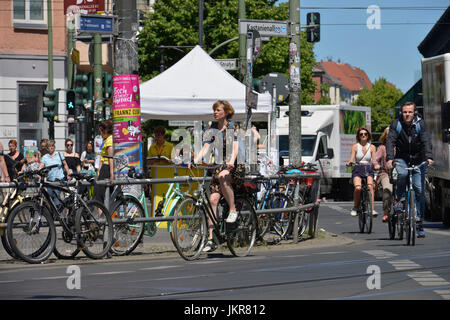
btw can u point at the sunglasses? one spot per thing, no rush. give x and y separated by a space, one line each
69 145
363 134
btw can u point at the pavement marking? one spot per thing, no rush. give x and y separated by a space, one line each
109 273
331 252
443 293
159 268
428 278
338 208
380 254
404 264
442 233
51 278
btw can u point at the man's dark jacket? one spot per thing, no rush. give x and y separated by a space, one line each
412 146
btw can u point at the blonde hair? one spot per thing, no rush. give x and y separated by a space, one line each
229 111
384 135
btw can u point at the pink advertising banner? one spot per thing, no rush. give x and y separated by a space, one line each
127 118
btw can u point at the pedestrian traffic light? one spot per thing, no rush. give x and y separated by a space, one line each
51 104
83 87
70 105
313 27
107 85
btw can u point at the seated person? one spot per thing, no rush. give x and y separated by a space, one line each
160 147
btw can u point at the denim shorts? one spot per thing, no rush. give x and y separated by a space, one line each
363 170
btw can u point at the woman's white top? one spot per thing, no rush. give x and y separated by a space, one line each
361 157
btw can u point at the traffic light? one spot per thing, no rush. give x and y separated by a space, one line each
51 104
107 85
70 105
83 87
313 27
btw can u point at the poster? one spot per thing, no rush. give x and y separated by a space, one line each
127 119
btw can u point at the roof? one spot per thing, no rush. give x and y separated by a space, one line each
349 77
437 40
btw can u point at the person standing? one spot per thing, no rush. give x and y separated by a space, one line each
409 143
88 157
15 161
160 147
72 158
106 169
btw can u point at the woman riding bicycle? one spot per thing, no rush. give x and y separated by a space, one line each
383 175
363 153
229 172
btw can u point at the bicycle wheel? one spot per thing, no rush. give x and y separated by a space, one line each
189 229
413 216
31 232
66 245
368 216
94 229
127 235
282 221
392 221
241 235
407 224
400 225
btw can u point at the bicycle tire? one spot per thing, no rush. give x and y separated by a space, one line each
34 247
94 229
189 229
127 235
407 222
391 225
413 215
282 222
401 225
362 212
369 217
66 244
241 235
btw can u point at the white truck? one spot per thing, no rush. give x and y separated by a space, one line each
328 133
436 109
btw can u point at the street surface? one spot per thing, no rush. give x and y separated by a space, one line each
340 263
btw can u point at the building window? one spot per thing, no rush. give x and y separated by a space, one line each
30 112
30 13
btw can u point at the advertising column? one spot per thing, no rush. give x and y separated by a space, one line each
127 119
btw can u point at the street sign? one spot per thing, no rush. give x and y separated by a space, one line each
228 64
75 56
181 123
91 23
266 28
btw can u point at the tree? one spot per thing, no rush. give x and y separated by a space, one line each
175 23
381 98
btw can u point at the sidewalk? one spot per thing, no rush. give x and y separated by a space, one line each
161 246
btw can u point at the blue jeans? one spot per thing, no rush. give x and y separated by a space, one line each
418 180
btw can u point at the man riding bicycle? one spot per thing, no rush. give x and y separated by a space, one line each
409 144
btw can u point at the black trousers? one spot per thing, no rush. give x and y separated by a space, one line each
99 191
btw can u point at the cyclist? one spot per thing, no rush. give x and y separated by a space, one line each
229 173
364 154
383 175
408 136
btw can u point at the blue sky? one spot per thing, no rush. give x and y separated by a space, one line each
390 51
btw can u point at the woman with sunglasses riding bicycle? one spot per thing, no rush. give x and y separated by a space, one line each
363 153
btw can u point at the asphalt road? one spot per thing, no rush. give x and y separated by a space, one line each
340 264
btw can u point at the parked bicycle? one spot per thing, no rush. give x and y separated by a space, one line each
128 235
190 225
31 229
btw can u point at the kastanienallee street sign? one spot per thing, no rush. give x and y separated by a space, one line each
266 28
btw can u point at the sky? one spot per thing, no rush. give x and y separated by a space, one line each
389 49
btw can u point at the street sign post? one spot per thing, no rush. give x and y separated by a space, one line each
94 23
228 64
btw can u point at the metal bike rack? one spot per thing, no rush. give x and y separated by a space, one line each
186 179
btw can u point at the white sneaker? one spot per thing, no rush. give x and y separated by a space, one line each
232 216
354 212
374 214
210 246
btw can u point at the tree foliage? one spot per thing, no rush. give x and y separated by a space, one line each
175 23
381 98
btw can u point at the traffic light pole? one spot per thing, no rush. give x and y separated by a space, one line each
295 119
98 75
51 127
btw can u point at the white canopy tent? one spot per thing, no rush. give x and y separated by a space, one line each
188 89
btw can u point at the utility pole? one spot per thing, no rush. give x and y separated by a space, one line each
242 43
51 128
295 118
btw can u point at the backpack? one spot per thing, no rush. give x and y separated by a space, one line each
399 127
